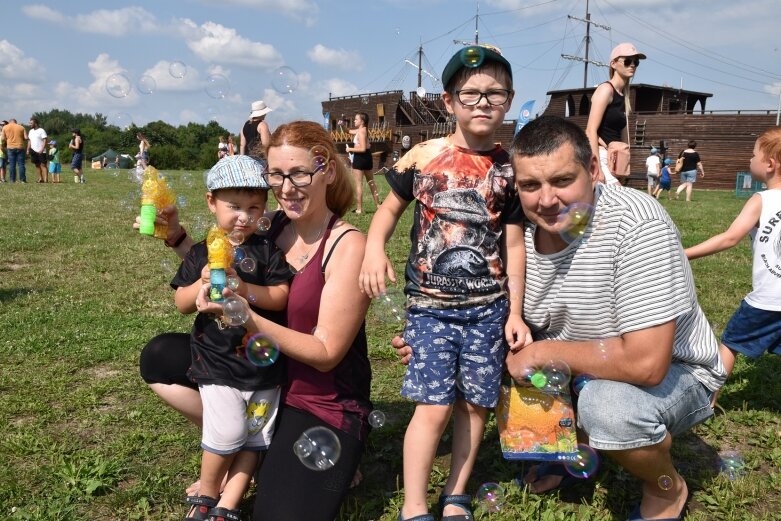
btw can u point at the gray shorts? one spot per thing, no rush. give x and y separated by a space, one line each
621 416
236 420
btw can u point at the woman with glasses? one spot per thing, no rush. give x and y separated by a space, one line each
328 371
610 106
362 161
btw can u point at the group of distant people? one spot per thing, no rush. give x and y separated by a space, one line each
17 143
659 173
493 282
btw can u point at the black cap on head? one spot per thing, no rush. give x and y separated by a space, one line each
472 57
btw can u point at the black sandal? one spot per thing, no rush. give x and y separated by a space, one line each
224 514
462 501
201 507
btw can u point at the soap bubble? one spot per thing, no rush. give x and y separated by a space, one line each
235 311
390 307
420 91
248 265
491 496
121 120
261 351
177 69
181 201
580 381
557 375
731 464
217 86
585 463
264 223
239 253
376 419
284 80
213 113
232 282
118 85
146 84
236 237
665 482
320 157
318 448
198 227
364 100
573 221
168 266
472 56
187 179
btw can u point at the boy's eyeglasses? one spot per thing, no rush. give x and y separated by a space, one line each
631 60
276 179
470 98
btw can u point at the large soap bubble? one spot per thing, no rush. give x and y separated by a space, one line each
118 85
318 448
284 80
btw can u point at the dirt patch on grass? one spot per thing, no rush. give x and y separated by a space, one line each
103 371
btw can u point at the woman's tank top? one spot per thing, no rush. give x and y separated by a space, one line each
614 118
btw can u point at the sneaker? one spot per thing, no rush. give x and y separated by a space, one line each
82 180
75 179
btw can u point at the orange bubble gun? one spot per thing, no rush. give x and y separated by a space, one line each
155 195
220 257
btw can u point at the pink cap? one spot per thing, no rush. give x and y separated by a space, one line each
626 49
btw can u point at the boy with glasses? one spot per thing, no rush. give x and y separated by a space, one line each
467 240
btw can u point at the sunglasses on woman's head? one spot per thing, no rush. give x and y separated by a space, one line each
631 60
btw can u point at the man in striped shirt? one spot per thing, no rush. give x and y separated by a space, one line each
615 300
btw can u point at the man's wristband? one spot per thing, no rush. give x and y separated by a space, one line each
179 240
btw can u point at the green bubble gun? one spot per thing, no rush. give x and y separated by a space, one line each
155 195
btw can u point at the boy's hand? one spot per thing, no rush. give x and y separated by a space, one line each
517 333
375 267
242 288
403 351
205 305
206 275
168 216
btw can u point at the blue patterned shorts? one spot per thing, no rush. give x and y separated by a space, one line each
455 353
753 331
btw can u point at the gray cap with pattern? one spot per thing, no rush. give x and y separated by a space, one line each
236 172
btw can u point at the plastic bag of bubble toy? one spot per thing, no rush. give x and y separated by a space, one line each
535 424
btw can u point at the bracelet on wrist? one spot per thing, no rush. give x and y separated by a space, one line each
179 240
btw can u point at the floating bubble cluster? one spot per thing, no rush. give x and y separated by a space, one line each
234 311
318 448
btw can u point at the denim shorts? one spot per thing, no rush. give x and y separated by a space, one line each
752 331
456 353
689 176
621 416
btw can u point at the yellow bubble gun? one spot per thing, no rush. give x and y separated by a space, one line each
220 257
155 195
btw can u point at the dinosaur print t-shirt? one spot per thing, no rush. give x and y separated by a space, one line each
462 200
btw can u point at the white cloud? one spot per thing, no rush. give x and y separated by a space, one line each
339 58
116 22
14 65
336 87
95 96
161 72
213 42
304 10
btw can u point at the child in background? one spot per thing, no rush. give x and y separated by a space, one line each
467 236
54 161
665 181
652 166
240 400
756 325
222 148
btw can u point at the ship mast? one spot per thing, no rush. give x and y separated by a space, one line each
585 59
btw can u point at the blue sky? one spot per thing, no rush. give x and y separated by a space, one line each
59 54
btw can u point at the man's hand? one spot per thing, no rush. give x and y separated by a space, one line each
402 349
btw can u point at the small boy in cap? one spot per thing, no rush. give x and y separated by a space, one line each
653 167
239 399
467 240
55 167
665 181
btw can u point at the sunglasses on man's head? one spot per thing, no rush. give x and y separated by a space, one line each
631 60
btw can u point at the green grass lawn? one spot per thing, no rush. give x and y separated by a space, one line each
83 438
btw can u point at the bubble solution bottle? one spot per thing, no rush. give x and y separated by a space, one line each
155 195
220 253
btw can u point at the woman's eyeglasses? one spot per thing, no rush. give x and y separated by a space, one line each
631 60
277 179
470 98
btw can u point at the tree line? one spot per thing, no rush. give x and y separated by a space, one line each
191 146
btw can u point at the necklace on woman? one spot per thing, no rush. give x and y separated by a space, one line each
301 259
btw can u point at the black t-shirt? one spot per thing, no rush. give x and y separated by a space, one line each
251 139
614 119
215 357
690 160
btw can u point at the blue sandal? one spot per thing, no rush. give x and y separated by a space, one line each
462 501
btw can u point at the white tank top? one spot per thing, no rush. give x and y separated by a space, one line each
766 246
